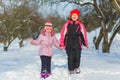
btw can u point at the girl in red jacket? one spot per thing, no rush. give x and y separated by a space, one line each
73 36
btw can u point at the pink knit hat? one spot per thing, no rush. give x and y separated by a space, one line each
48 24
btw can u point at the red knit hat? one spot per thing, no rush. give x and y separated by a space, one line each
76 11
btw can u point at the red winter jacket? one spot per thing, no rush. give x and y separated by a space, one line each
64 31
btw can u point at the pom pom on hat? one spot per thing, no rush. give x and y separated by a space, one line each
75 11
48 23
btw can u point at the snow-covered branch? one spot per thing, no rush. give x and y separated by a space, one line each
117 24
79 2
84 3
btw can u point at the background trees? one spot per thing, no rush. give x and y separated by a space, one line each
15 21
109 22
21 18
107 16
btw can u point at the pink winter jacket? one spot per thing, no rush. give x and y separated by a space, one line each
46 41
64 31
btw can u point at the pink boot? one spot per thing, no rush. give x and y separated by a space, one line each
48 74
43 75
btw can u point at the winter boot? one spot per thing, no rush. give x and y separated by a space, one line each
71 72
43 74
48 74
77 70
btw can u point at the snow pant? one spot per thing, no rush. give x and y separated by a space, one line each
45 64
74 56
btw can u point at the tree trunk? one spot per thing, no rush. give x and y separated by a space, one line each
105 47
105 38
5 48
97 42
21 43
112 37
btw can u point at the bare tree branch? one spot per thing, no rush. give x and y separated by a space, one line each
111 21
116 5
79 2
115 32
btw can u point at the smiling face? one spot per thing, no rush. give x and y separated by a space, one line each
48 29
74 17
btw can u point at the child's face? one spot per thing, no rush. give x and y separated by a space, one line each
74 17
48 29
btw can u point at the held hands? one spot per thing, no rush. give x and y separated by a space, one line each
87 46
61 47
30 40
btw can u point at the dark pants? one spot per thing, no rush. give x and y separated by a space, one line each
46 63
74 56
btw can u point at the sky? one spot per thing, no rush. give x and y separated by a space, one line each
63 9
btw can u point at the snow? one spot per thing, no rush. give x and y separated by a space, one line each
85 1
24 63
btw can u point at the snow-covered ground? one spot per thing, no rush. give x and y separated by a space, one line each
24 63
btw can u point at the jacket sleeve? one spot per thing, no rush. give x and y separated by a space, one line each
62 34
37 41
84 32
55 42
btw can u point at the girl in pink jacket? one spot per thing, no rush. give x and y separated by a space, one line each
46 40
73 36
